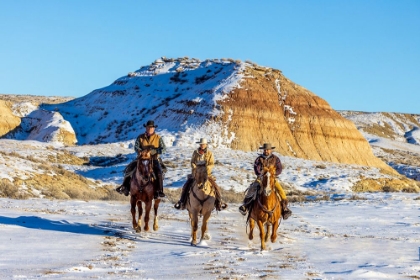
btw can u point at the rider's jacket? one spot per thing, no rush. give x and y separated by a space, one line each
265 161
154 140
200 156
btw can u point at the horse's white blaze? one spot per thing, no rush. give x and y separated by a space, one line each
267 188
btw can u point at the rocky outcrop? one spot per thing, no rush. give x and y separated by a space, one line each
235 104
268 107
8 121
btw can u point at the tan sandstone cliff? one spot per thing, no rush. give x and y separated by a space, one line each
8 121
270 108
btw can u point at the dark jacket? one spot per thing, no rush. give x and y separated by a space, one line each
263 161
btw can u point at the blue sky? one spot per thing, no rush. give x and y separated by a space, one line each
357 55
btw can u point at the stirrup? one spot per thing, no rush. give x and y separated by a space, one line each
161 194
178 205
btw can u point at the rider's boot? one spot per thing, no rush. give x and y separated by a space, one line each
185 190
160 182
242 210
218 202
286 211
125 186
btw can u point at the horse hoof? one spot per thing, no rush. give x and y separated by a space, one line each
138 230
206 236
155 228
193 244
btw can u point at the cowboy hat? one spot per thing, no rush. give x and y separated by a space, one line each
202 141
267 146
150 123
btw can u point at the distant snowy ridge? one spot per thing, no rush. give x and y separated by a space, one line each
179 95
397 126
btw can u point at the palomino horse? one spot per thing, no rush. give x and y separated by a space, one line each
266 208
141 190
201 202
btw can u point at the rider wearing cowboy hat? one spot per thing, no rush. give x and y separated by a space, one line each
265 159
147 139
202 155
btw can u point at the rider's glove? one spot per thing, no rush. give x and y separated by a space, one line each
153 152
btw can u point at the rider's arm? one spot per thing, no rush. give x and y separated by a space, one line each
193 161
162 146
210 163
279 168
137 145
257 167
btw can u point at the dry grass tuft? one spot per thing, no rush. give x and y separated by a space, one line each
10 190
386 185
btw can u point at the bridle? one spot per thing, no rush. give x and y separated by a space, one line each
266 191
144 168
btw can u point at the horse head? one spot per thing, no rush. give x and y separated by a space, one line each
144 163
200 175
268 177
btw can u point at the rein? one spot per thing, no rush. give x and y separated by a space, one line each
265 210
200 200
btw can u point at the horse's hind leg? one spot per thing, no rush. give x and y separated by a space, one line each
251 229
155 208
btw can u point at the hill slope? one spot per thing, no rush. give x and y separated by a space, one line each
236 104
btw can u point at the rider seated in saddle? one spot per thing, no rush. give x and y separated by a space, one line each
202 155
266 159
149 139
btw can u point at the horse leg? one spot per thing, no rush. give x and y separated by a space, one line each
155 208
133 212
206 218
251 229
140 209
194 227
267 231
148 207
262 234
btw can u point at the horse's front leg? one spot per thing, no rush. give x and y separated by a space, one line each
206 218
194 227
148 207
251 229
133 213
155 208
140 208
267 231
262 234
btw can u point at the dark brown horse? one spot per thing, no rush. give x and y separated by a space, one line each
266 210
141 190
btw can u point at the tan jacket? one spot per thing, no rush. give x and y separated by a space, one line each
207 157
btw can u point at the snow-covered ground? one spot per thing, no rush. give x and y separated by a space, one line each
376 238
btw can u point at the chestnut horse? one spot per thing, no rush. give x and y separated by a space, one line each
141 190
265 209
201 202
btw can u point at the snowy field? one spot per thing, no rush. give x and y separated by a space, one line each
376 238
